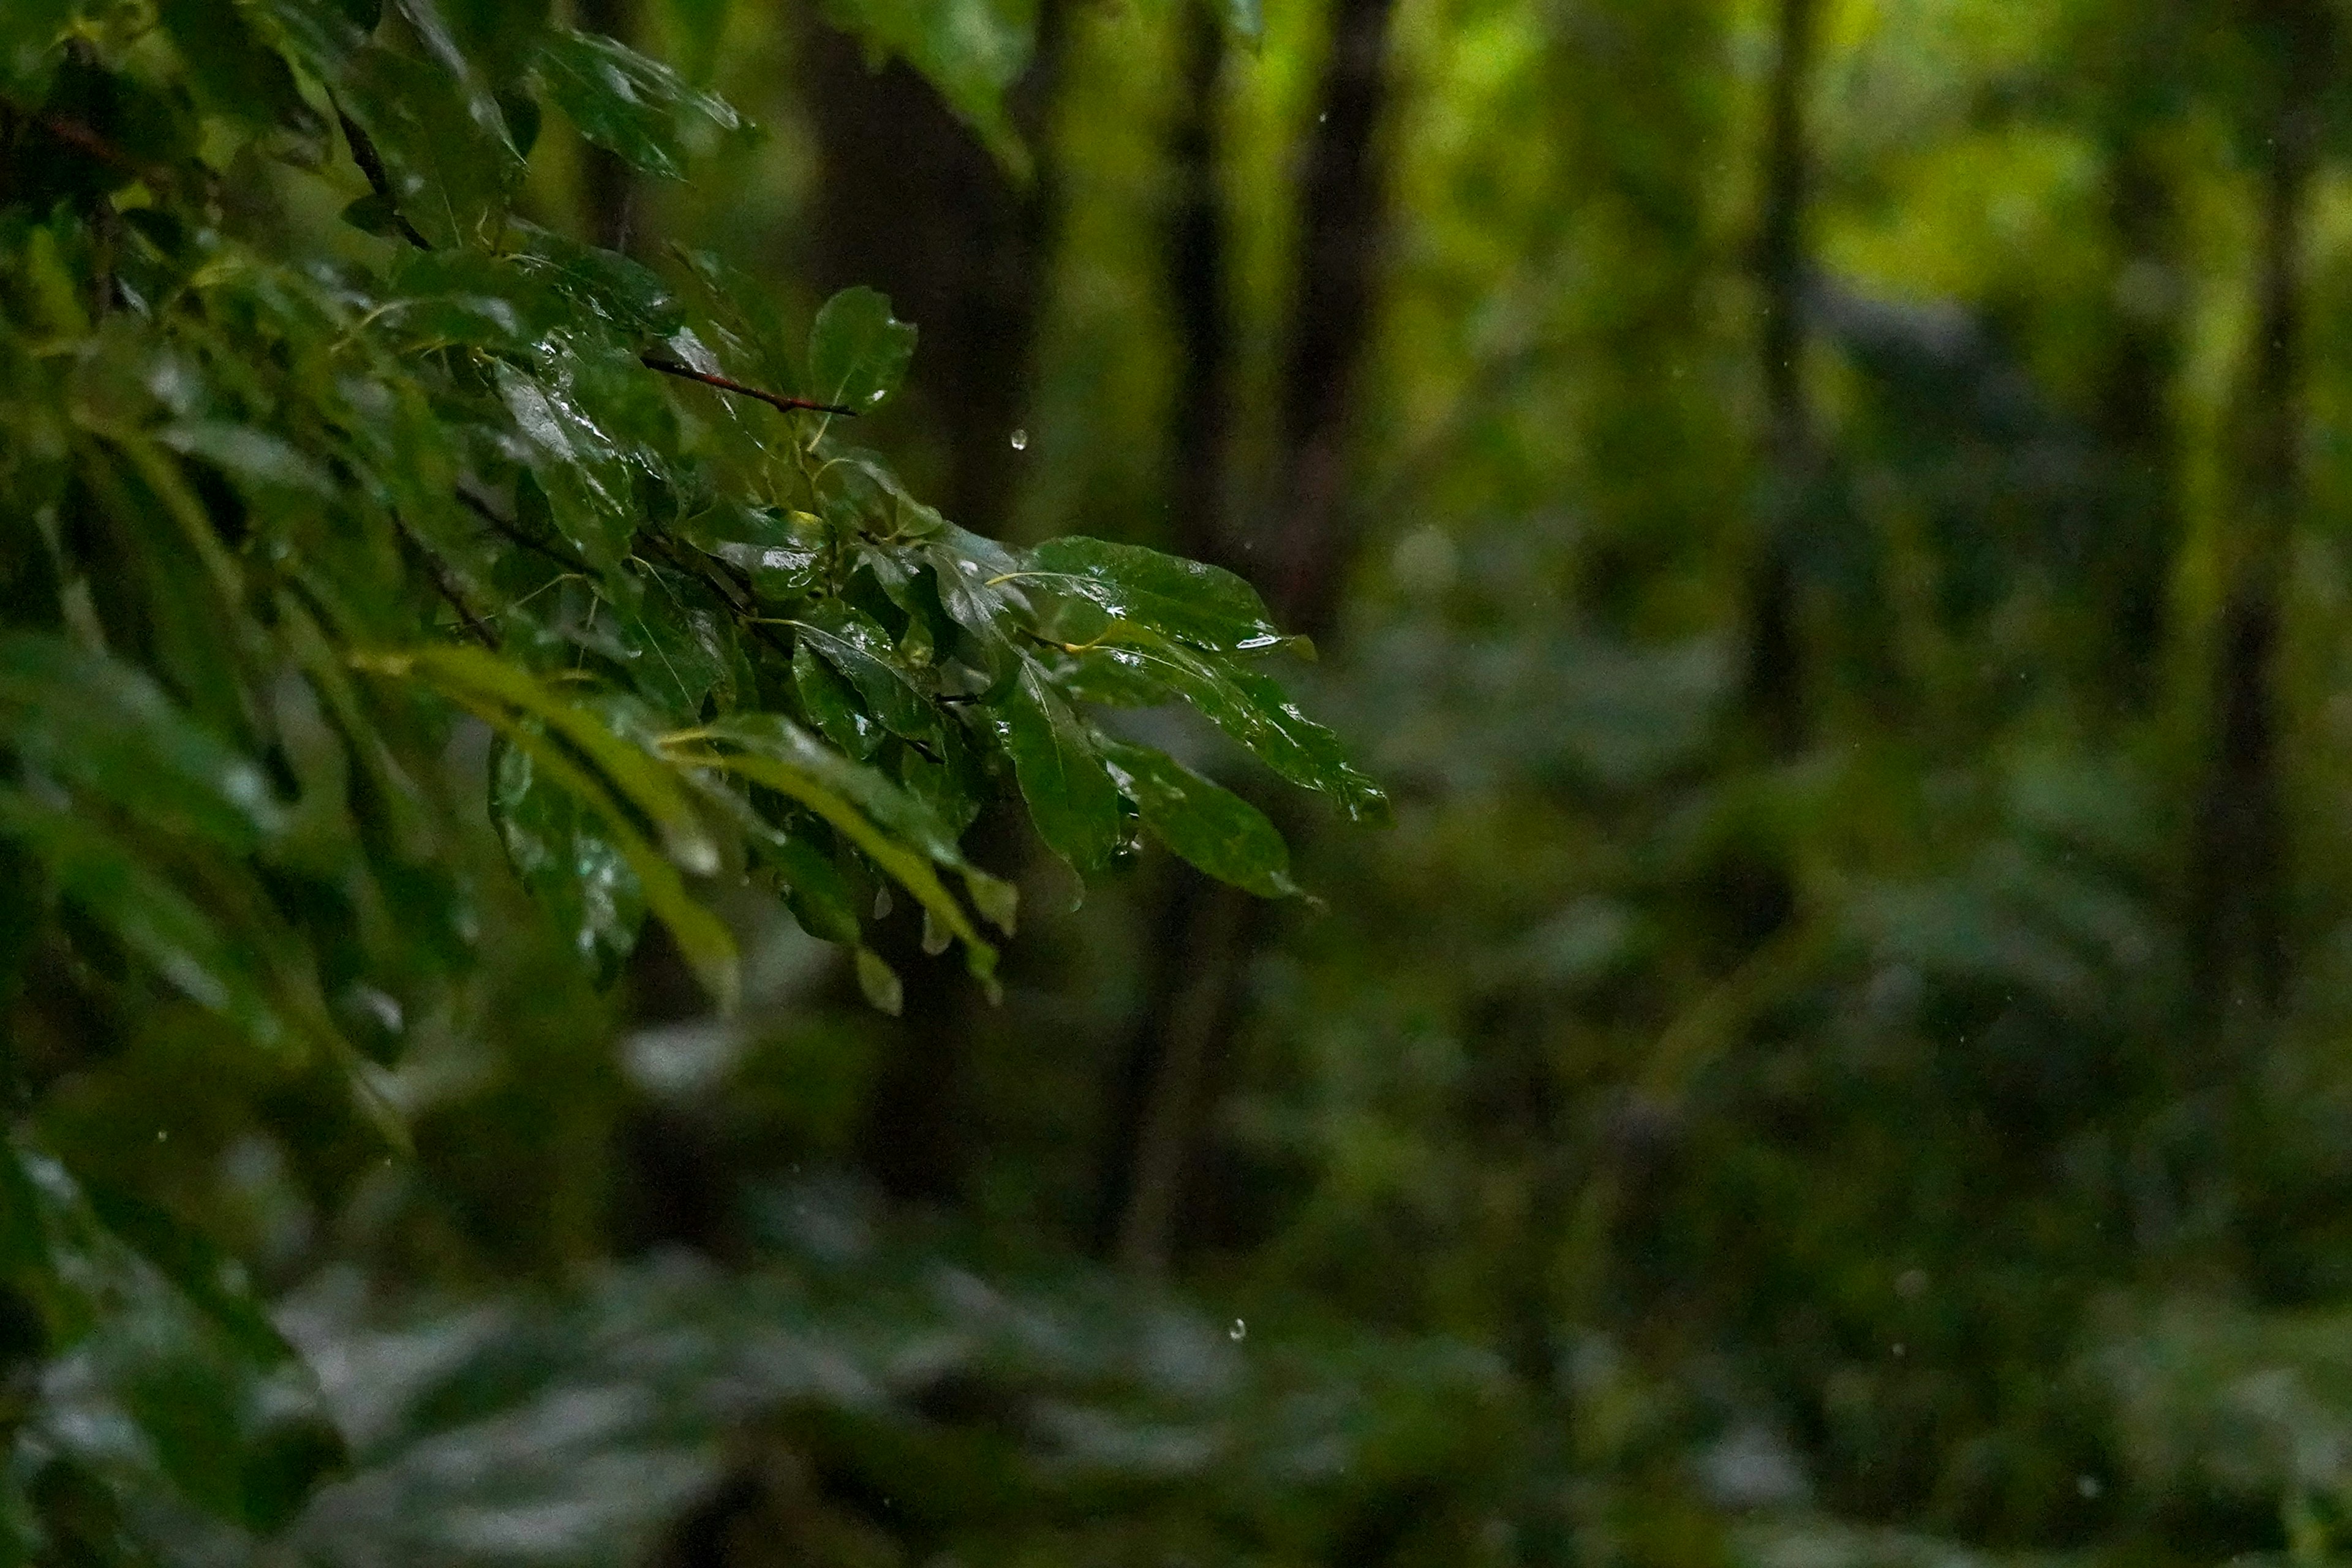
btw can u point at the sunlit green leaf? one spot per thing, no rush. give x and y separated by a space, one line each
857 351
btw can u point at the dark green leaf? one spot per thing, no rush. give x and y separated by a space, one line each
973 51
831 706
451 170
118 888
1204 606
1213 828
1070 793
582 880
633 107
1252 710
863 653
95 724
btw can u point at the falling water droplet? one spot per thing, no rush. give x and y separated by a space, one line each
876 396
1021 440
1238 1331
2088 1486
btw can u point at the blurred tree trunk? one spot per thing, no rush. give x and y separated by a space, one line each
2135 428
2236 928
1158 1079
608 191
909 202
1773 685
1206 931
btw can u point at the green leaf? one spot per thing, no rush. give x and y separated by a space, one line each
92 724
30 31
1070 793
893 830
814 889
829 703
1254 710
320 35
634 108
863 652
452 169
628 295
702 936
781 553
116 887
643 780
1204 606
857 351
971 51
233 73
1212 827
573 869
880 983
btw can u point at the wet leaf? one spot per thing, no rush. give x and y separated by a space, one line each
1204 606
857 351
1212 827
1070 793
631 106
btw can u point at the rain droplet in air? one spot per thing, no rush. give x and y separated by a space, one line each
1240 1331
1021 440
876 396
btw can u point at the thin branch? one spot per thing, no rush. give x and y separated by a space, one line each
439 571
773 399
371 164
513 530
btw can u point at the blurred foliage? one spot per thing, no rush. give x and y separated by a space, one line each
1790 1090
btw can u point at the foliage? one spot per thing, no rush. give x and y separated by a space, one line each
296 506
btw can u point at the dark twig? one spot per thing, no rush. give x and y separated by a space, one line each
513 531
439 571
773 399
371 164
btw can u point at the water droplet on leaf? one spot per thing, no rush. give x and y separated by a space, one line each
1021 440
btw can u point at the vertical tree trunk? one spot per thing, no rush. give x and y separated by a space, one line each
2142 516
1774 679
1159 1075
608 190
909 202
2236 929
1206 930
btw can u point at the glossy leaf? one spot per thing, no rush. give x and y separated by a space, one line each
1204 606
857 351
861 652
1210 827
1254 711
1070 793
582 880
627 104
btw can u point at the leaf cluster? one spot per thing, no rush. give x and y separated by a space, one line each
300 508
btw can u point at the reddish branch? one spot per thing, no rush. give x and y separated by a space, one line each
773 399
